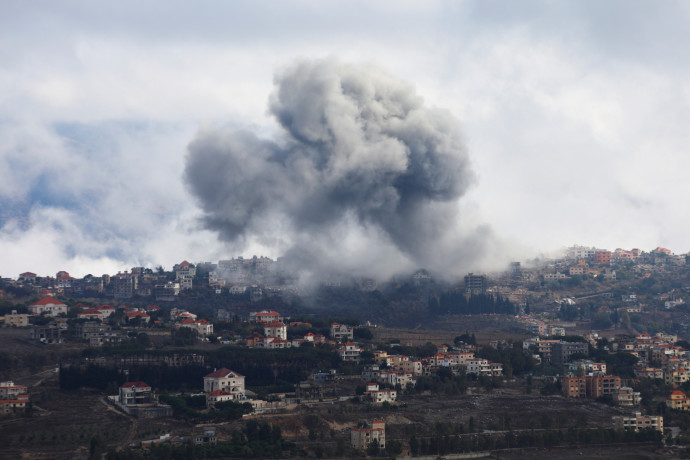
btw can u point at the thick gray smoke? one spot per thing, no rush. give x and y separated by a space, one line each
364 176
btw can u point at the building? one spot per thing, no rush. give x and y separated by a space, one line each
201 326
342 331
49 333
265 316
13 398
15 319
676 377
124 285
475 284
603 257
166 292
627 397
275 329
678 401
379 396
562 351
350 352
637 422
135 394
49 306
226 380
208 437
590 386
361 438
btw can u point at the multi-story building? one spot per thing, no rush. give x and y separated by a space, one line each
638 422
13 398
48 305
124 285
342 331
678 400
361 438
350 352
379 396
603 257
676 377
275 329
227 380
136 394
475 284
627 397
562 351
590 386
201 326
15 319
265 316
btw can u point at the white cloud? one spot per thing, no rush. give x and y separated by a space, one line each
576 114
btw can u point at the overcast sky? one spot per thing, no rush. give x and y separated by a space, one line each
575 116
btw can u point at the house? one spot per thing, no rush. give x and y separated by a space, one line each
207 437
219 396
342 331
638 422
201 326
273 343
15 319
265 316
135 394
678 401
676 377
91 314
379 396
361 438
136 315
48 305
227 380
350 352
275 329
627 397
13 398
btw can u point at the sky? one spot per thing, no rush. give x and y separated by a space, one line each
573 118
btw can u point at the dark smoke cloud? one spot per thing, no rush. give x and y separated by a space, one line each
363 174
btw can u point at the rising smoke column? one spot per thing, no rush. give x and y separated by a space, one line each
362 169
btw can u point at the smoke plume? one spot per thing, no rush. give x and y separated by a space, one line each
362 177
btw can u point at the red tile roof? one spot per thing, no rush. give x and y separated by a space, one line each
220 373
134 384
47 300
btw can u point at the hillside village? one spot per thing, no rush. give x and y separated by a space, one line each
209 355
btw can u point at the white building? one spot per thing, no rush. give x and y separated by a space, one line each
226 380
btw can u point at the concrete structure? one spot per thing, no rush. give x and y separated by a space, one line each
124 285
361 438
13 398
590 386
627 397
562 351
637 422
15 319
475 284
